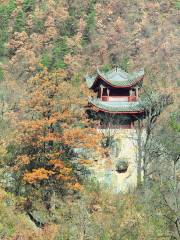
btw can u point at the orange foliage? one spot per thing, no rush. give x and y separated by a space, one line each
23 159
76 187
51 118
85 162
62 177
78 137
37 175
57 163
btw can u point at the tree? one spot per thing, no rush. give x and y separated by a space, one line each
5 13
170 193
90 25
50 124
28 5
166 179
19 24
154 104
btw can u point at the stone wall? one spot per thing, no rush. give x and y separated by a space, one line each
123 148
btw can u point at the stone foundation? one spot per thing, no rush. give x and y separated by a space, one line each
123 148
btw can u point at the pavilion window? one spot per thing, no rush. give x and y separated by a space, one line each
105 92
119 92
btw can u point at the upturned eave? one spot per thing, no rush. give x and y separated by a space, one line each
125 80
116 108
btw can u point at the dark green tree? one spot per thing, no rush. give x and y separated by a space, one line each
19 24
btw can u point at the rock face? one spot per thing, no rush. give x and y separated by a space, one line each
118 171
122 166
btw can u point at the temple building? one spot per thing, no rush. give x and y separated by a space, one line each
117 95
116 106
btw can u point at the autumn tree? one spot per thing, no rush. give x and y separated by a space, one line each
50 124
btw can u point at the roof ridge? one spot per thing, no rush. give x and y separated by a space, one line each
116 77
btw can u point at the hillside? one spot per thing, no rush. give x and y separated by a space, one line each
79 36
46 50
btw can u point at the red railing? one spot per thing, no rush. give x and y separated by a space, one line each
132 99
119 98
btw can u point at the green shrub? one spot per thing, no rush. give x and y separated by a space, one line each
28 5
175 121
106 68
177 5
19 24
3 39
46 60
59 51
5 13
11 6
90 25
38 25
55 59
1 73
69 27
125 64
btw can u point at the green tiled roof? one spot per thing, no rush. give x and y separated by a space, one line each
116 77
116 106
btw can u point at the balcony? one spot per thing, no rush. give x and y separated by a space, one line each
119 98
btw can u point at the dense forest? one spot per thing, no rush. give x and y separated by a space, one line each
46 49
